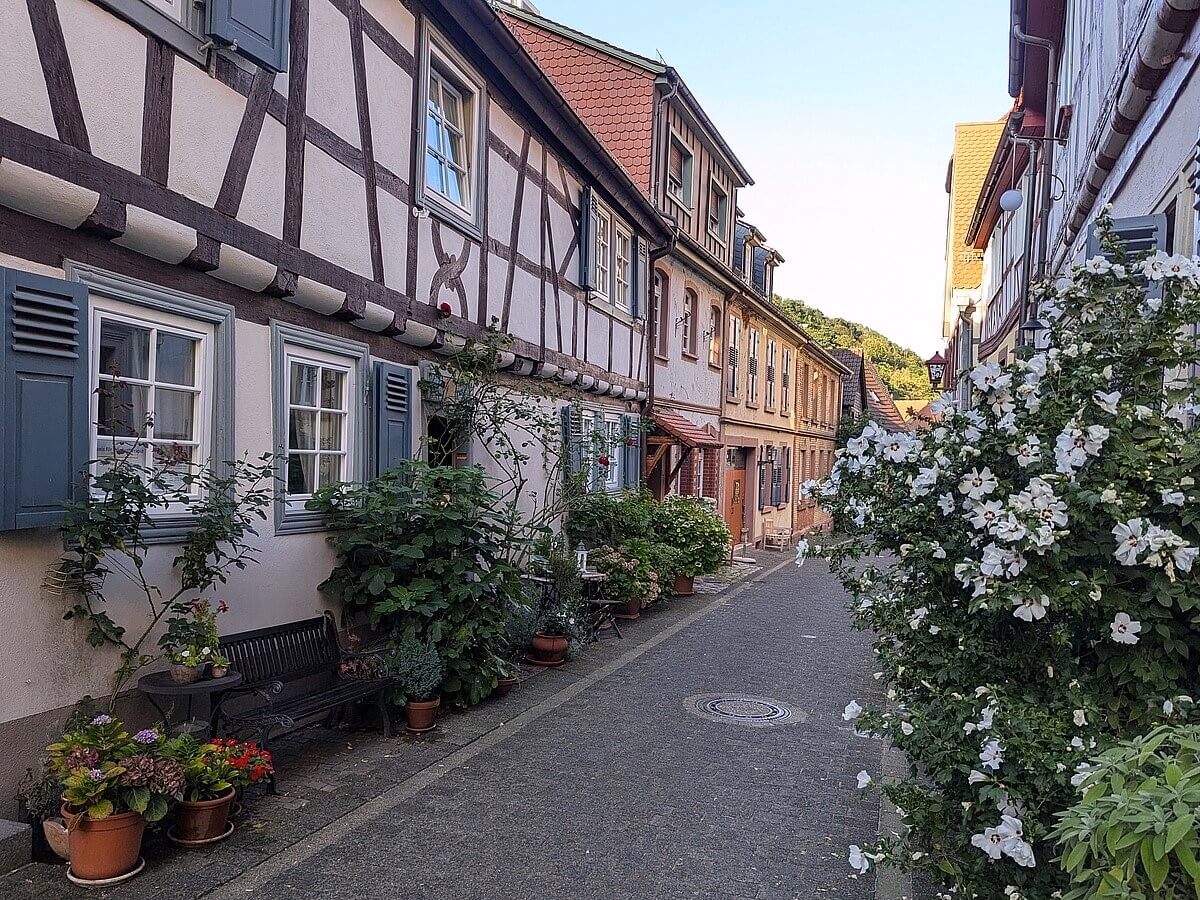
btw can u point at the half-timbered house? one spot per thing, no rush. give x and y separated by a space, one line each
268 215
655 126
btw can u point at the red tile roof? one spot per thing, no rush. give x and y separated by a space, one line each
880 405
614 98
684 430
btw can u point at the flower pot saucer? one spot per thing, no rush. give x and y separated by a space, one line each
534 661
626 617
180 842
106 882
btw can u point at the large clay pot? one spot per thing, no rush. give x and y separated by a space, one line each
685 585
202 820
421 714
104 848
631 610
549 650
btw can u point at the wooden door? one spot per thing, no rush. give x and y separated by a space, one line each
735 502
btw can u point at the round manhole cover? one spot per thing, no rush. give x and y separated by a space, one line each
754 711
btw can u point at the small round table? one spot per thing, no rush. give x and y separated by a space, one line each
200 697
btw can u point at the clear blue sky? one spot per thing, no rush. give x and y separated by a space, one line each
844 114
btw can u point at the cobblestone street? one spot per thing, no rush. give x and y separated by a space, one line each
595 781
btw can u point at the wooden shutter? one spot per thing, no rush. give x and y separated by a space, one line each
586 240
393 416
639 264
787 474
257 29
572 436
44 397
631 462
1138 234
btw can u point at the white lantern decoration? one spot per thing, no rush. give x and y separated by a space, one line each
581 555
1011 200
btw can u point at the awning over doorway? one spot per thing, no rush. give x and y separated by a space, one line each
684 431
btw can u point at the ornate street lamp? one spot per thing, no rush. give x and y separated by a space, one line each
937 368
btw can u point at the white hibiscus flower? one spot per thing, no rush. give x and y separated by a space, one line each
1031 608
1131 541
852 711
990 841
976 484
1173 498
1107 402
1124 629
992 755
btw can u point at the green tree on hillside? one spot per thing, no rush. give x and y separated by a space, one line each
902 370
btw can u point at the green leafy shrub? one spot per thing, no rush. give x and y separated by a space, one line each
698 535
627 570
599 518
665 562
1134 834
1026 569
426 553
562 612
40 793
417 668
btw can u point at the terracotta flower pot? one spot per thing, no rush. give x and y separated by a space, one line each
548 650
57 838
685 585
504 685
202 820
421 714
219 671
632 609
186 674
104 848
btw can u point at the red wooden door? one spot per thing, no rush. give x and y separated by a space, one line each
735 502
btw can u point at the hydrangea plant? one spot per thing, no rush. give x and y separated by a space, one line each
1026 567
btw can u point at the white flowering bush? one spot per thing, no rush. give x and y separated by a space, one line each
1027 569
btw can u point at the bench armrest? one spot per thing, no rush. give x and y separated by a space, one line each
266 691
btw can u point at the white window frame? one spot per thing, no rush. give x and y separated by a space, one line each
439 61
733 339
721 234
682 196
622 267
613 436
602 250
107 309
294 355
785 386
290 344
752 366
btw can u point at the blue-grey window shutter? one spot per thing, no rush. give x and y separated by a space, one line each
572 436
257 29
631 464
1138 234
787 474
586 239
44 398
393 416
762 485
638 264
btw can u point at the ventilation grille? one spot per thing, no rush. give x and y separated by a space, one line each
396 391
44 325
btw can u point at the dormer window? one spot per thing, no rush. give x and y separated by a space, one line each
679 173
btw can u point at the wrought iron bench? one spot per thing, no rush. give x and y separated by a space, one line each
304 655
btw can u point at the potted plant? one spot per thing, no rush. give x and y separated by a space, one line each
519 627
557 620
113 784
202 815
191 642
506 676
697 533
249 764
39 798
418 671
219 667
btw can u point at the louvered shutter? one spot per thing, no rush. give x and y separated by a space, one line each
44 398
572 437
1138 234
586 240
631 462
393 416
787 474
639 263
257 29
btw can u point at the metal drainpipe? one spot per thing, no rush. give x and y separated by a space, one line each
652 332
1033 146
1047 173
